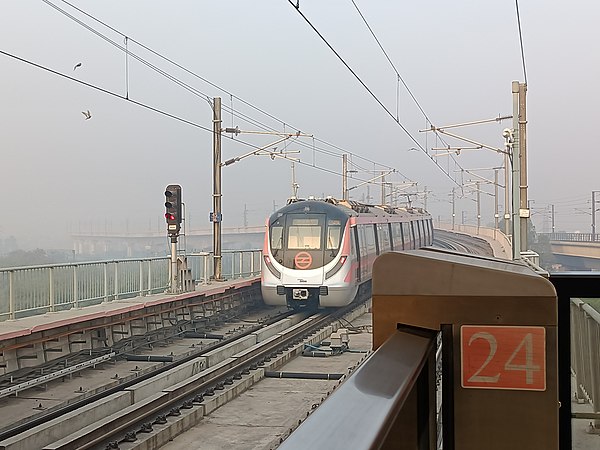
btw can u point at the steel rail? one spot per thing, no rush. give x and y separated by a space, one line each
187 394
54 375
38 420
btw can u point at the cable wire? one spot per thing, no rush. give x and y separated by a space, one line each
400 79
154 109
521 40
190 88
367 88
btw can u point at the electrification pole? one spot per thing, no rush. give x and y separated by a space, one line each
523 156
295 185
496 216
344 177
478 206
382 187
594 215
453 207
516 170
507 189
217 213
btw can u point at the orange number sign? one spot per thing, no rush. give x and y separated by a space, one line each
497 357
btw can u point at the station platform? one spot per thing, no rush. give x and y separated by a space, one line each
10 329
34 340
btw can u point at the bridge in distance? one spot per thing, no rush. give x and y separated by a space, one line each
572 251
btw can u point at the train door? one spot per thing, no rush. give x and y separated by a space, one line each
364 252
356 251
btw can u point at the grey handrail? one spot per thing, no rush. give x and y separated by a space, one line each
361 412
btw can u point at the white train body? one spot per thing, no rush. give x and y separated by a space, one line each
319 252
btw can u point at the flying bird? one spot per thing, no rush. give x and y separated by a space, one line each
87 114
76 66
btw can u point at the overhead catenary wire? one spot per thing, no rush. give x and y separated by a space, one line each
368 89
401 79
191 89
107 91
521 40
156 110
390 61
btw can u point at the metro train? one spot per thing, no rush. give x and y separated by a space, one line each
317 253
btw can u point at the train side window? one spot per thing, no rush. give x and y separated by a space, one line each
407 235
362 240
370 235
333 237
276 238
383 237
397 235
413 235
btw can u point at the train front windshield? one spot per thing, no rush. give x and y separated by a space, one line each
305 241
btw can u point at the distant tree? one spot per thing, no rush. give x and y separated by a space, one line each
19 258
540 244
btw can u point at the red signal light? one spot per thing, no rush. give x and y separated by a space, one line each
169 216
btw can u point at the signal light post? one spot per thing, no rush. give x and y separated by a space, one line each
173 218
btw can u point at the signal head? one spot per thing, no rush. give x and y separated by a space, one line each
173 214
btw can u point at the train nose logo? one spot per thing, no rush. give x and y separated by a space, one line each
303 260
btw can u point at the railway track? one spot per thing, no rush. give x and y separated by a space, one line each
56 368
462 243
190 388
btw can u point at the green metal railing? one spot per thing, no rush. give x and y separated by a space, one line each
27 291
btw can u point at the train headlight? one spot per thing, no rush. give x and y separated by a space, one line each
336 268
276 273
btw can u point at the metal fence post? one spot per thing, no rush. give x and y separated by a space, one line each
141 291
75 296
241 264
205 277
106 281
593 329
11 295
116 279
149 286
252 263
51 289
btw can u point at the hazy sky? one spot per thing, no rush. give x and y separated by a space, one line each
61 173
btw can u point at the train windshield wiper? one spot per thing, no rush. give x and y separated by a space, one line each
278 246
